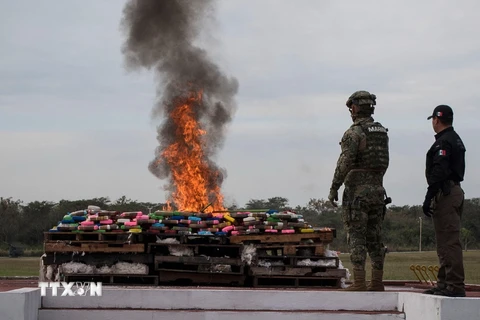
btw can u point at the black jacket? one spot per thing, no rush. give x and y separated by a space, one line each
445 161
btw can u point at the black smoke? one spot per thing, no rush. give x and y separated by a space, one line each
160 35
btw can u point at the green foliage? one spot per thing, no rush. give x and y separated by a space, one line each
23 224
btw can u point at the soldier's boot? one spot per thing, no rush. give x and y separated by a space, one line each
358 281
377 281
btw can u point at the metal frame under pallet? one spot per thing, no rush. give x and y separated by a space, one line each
113 279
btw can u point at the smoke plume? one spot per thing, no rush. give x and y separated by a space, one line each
160 35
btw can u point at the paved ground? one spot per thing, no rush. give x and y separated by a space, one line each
7 285
11 284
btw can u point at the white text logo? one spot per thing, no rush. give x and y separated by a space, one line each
71 289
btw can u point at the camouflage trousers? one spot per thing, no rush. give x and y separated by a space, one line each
363 224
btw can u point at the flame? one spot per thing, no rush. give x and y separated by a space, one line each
191 173
167 206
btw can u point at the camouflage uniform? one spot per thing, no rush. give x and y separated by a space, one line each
361 167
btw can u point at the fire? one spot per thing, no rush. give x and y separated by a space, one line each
191 173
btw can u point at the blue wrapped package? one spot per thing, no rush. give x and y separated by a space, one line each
158 225
192 218
220 233
79 218
205 233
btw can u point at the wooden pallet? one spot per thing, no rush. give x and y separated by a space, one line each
194 238
298 238
168 276
199 264
210 250
317 272
80 246
317 249
113 279
296 261
112 236
96 258
295 282
198 260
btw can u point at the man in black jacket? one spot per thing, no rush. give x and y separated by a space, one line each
445 169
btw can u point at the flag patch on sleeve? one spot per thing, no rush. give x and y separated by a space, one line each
442 152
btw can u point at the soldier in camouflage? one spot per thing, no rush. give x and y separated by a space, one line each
361 166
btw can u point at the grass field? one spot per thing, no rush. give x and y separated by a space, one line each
25 266
397 265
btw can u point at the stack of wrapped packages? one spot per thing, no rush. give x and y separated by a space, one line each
184 223
95 219
228 224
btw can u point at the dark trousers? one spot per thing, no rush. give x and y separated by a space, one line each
447 214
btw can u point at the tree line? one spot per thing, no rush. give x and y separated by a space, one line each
23 224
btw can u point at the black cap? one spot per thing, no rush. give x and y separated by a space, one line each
442 111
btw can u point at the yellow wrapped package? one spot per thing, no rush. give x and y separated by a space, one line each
229 218
307 230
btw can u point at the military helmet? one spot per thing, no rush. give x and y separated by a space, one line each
361 98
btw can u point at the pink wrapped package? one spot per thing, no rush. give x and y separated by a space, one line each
142 217
235 233
131 214
131 223
271 230
226 229
288 231
88 228
87 223
109 221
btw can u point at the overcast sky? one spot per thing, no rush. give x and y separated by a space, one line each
74 124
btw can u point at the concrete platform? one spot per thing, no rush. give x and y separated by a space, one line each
176 303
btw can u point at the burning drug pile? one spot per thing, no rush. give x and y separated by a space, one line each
185 223
195 99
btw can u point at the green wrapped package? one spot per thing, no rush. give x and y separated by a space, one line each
273 219
155 216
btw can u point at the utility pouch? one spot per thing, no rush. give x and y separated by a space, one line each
446 188
386 202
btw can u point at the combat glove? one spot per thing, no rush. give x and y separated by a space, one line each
333 196
427 210
427 203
